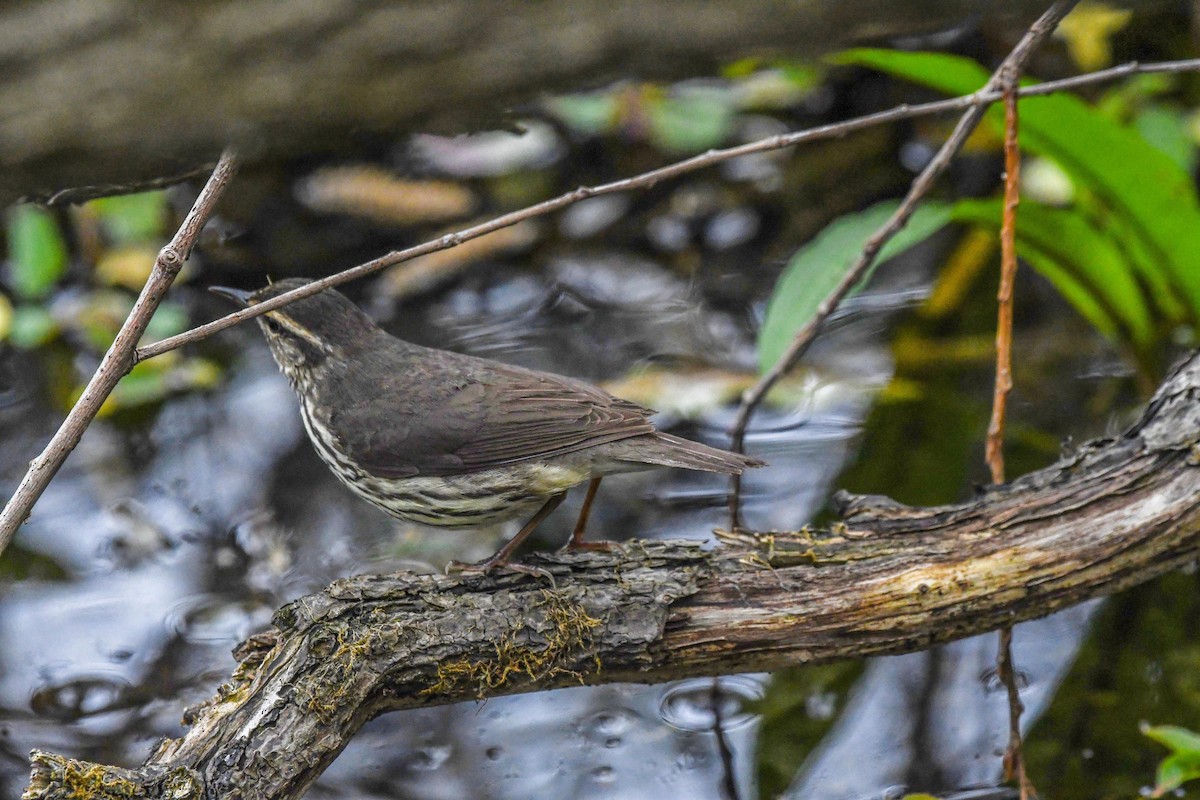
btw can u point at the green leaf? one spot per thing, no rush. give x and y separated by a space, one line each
1133 177
1166 129
133 218
1076 293
153 381
37 254
1184 762
168 320
1173 772
1180 740
32 326
1082 261
948 73
591 114
817 268
690 121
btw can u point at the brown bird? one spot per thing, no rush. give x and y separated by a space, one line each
452 440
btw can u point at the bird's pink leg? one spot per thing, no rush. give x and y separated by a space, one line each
576 542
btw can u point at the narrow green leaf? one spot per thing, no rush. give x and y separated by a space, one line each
1076 293
37 254
1080 260
1132 176
940 70
1180 740
817 267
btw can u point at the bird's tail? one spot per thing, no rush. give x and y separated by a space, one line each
671 451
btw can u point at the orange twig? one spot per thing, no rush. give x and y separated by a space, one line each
1008 274
1014 761
1042 27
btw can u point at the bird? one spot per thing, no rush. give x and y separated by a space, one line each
453 440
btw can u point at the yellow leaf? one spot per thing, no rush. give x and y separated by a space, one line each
126 266
1088 32
6 317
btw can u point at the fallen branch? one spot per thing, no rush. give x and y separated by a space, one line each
891 579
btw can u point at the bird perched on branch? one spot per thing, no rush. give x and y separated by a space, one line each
452 440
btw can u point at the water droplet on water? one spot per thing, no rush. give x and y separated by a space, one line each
990 679
427 759
821 705
609 723
689 705
605 774
692 759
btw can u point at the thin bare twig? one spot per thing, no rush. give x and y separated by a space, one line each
120 358
980 99
1014 754
1004 296
1014 757
1041 28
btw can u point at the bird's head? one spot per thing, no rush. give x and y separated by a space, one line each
307 334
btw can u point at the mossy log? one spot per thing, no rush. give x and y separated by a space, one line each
889 579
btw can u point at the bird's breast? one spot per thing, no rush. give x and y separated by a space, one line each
467 500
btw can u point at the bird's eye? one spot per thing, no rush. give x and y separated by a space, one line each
272 326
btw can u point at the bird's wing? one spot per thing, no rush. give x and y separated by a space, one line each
482 414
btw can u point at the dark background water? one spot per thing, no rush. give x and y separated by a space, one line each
179 525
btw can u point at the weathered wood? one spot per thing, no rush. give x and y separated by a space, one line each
103 94
891 579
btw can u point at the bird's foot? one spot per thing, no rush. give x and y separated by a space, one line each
491 565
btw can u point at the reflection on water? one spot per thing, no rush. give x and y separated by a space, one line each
938 719
610 741
171 536
177 538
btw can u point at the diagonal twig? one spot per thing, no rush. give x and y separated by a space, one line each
1012 64
119 359
977 100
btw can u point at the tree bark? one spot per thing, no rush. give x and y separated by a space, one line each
890 579
104 95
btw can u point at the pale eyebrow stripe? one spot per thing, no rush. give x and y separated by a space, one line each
296 328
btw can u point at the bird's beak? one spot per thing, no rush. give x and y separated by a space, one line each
238 296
